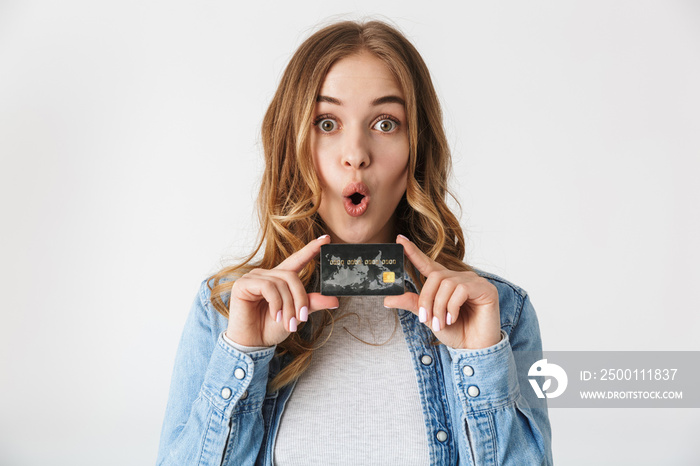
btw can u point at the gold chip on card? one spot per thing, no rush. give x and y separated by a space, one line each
388 277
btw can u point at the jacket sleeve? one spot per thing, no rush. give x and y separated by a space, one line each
496 424
216 394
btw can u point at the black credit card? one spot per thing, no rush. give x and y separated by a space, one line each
362 269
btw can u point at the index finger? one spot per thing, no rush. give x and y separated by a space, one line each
297 261
423 263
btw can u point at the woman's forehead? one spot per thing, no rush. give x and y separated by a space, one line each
360 75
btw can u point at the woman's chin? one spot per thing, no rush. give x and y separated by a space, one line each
358 230
356 236
353 239
350 235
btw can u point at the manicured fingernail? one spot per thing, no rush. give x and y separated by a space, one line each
333 307
293 324
304 314
404 238
448 319
422 314
279 316
436 324
322 236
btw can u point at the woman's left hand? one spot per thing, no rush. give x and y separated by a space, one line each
460 307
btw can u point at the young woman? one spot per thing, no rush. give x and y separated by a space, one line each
355 153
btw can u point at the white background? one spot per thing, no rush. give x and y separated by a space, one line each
130 160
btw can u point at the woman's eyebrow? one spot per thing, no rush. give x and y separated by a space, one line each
387 99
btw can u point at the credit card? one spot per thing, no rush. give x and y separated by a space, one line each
362 269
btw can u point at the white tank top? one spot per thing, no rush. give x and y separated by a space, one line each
356 403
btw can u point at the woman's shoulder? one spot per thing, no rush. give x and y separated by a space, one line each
501 283
511 297
209 283
205 308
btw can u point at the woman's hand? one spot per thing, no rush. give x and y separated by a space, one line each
266 305
460 307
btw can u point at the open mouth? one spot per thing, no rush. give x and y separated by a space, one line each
357 198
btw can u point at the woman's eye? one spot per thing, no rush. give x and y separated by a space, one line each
386 126
326 125
329 125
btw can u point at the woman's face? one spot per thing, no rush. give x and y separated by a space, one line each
359 144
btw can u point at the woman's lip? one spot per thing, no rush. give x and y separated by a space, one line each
355 210
356 187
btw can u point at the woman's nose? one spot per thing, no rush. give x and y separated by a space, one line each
356 150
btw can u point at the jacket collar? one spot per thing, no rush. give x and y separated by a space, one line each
409 285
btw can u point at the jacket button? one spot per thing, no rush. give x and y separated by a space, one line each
426 360
473 391
441 435
239 373
245 395
225 393
468 371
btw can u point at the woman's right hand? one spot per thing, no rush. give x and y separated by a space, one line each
266 305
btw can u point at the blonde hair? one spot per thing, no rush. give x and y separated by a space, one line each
290 192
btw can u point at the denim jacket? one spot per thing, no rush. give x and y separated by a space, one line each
220 413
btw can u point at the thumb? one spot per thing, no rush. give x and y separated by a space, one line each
407 301
317 301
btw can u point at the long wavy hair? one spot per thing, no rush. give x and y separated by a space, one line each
290 191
